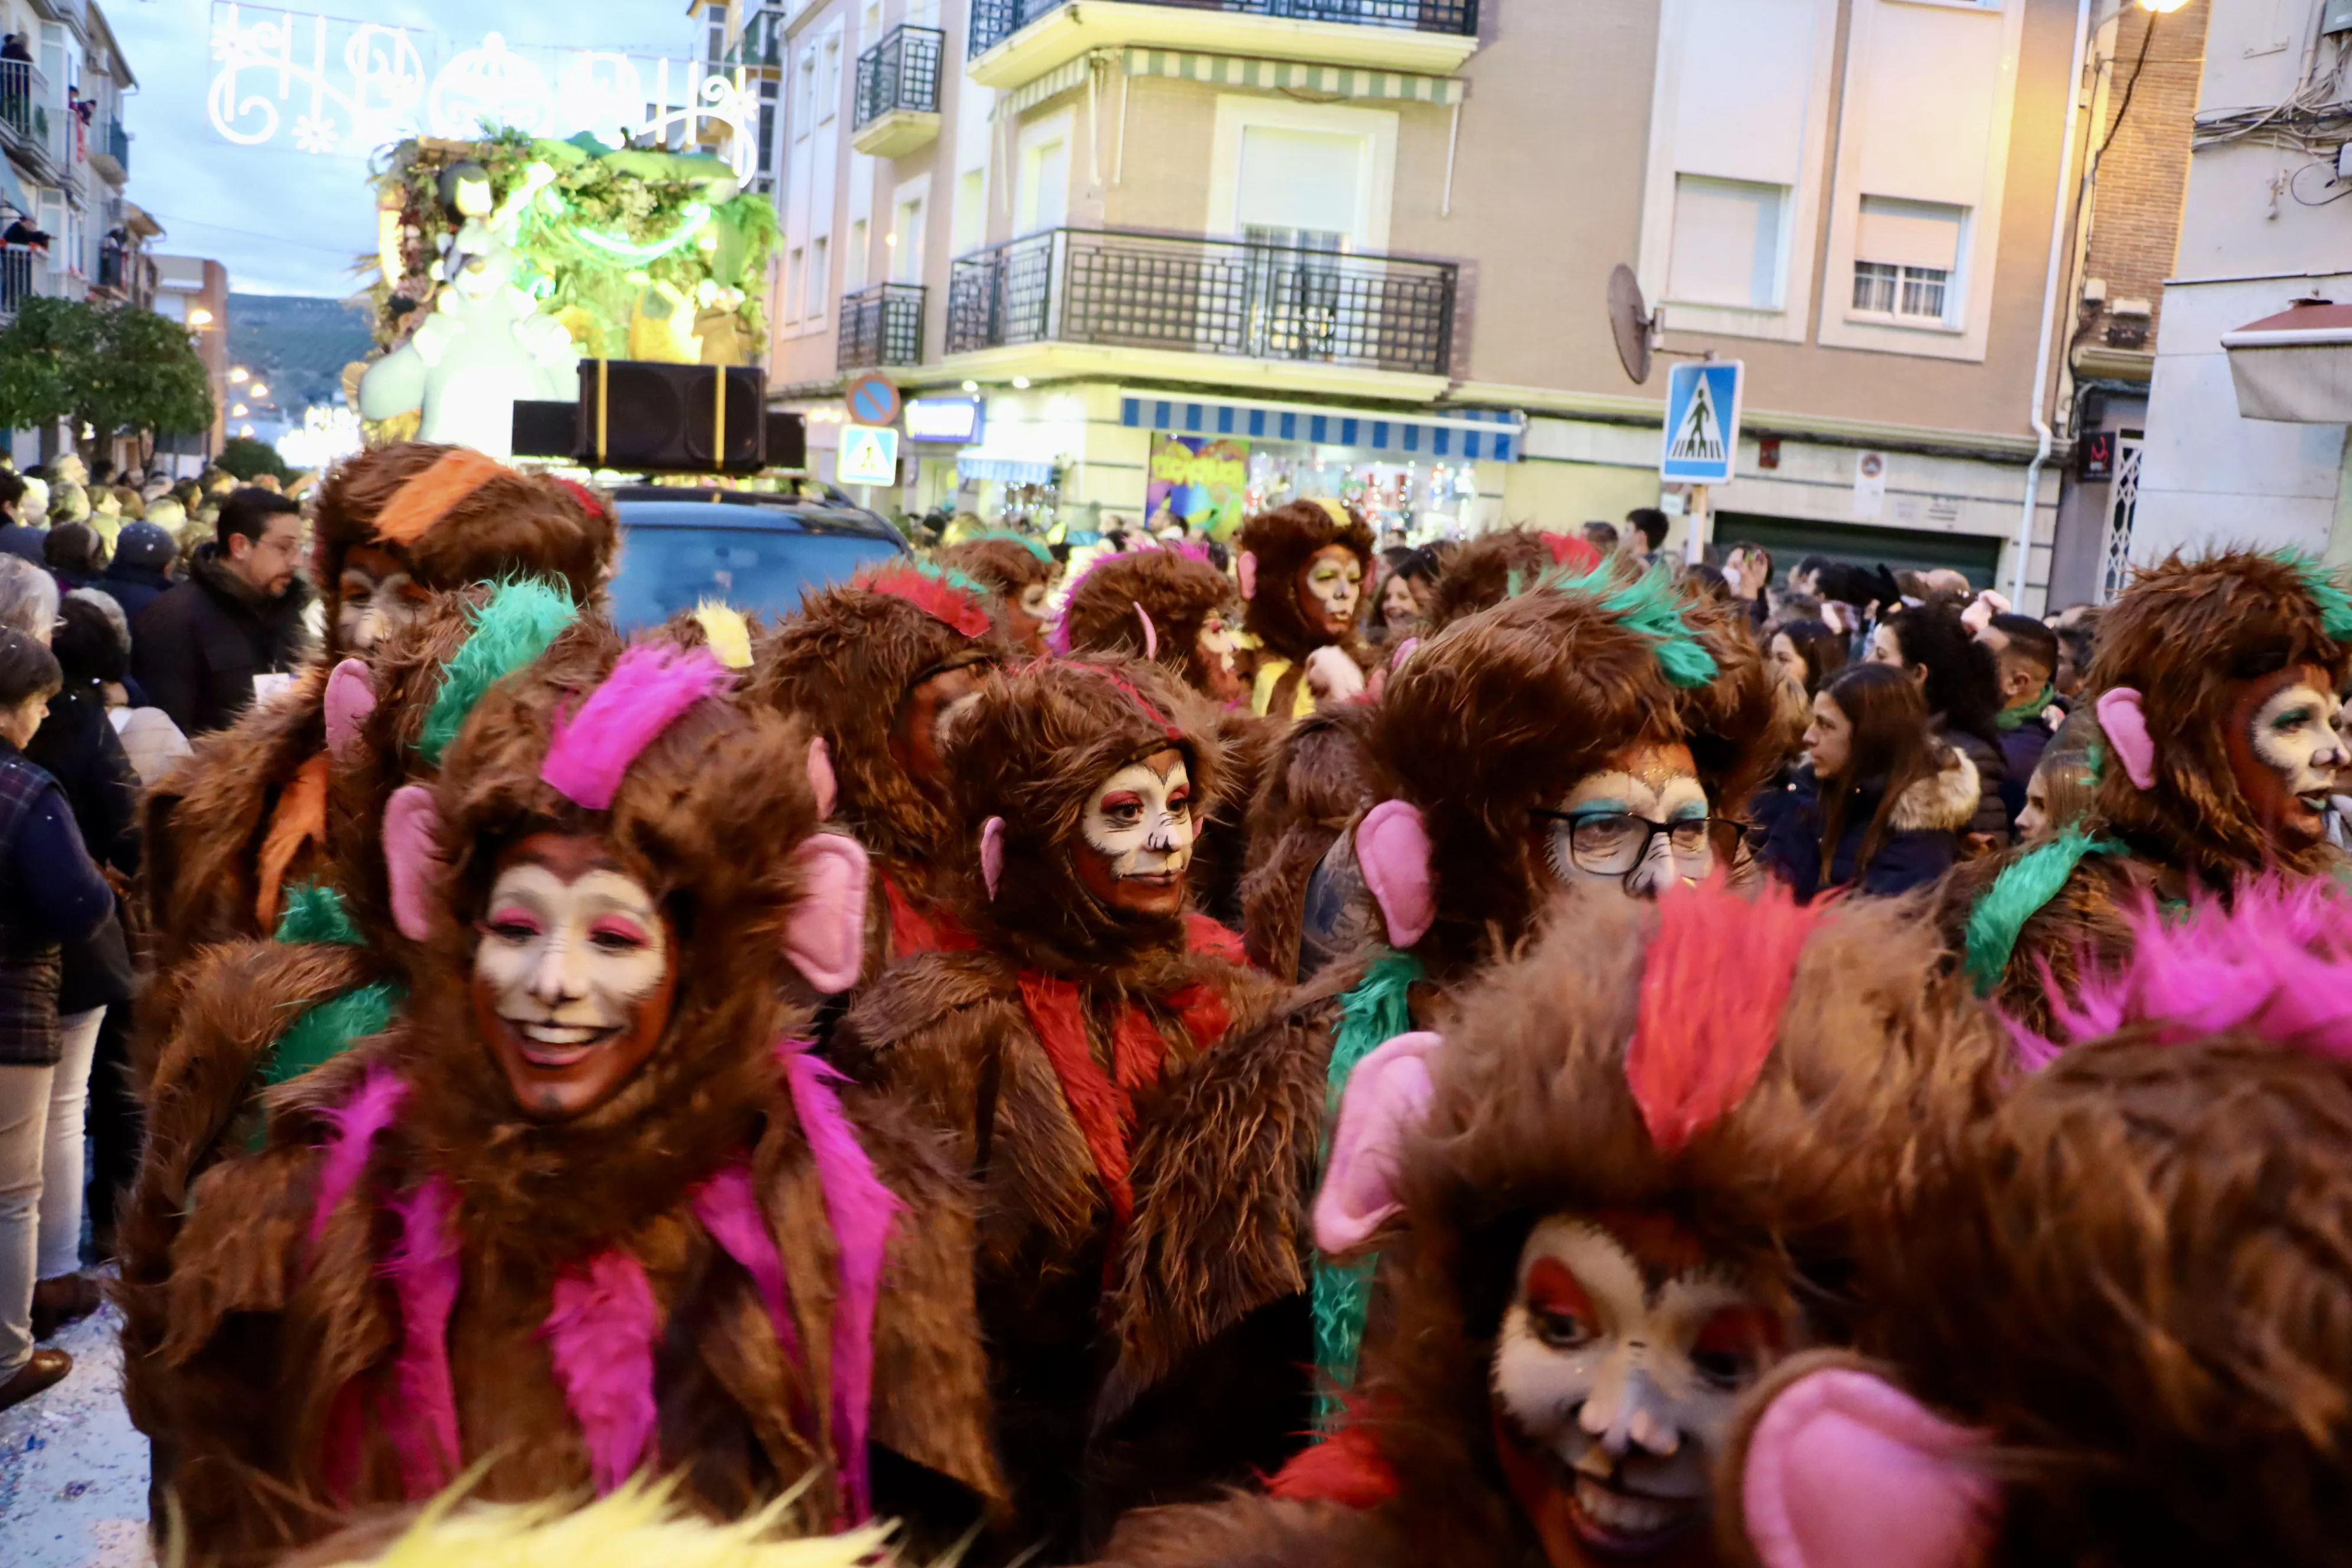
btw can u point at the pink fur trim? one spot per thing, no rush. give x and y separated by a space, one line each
1151 632
820 776
648 688
991 853
729 1210
423 1416
860 1209
349 699
2126 724
600 1331
355 1122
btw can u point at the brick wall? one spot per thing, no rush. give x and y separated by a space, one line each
2144 174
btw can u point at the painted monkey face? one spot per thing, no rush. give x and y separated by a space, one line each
1620 1358
572 976
1639 821
1137 835
377 597
1214 654
1329 590
2286 750
1026 622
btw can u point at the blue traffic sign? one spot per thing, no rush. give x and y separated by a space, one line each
873 400
1702 437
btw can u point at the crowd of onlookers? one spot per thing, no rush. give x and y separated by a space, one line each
133 616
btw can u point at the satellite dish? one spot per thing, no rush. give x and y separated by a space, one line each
1631 324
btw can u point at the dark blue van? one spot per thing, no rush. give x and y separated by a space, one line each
755 551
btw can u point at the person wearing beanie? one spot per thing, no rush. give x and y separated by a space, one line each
140 573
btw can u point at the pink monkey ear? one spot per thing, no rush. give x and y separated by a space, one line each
1844 1468
1403 651
1151 632
1384 1099
411 854
2125 723
1392 849
1249 574
820 776
825 938
991 853
349 699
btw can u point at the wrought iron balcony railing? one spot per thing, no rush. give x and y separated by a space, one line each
17 273
993 21
902 71
1205 295
118 144
22 89
881 325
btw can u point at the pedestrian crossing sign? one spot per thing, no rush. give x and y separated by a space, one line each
1703 422
867 456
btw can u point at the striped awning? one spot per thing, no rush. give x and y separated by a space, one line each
1005 470
1474 435
1292 76
1052 84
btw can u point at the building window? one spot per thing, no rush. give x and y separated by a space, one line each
854 264
971 211
820 274
805 95
768 126
1907 257
1729 242
828 95
1300 190
717 34
1044 185
796 280
907 243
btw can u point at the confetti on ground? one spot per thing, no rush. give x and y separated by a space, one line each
73 1472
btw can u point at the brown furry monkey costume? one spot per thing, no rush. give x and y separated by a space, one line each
1619 1187
1287 619
1020 572
592 1203
1040 1050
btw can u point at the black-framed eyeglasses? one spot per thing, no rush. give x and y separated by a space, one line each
1610 844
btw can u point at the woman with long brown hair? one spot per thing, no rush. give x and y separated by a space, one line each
1880 802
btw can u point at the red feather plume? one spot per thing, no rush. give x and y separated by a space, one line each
937 598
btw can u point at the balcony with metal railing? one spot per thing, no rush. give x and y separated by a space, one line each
882 325
897 106
24 111
1016 41
1230 299
18 269
109 145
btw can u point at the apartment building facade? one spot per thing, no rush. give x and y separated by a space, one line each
68 160
1363 247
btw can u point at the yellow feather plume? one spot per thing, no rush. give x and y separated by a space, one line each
729 633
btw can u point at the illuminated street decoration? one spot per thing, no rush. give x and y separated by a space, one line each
334 87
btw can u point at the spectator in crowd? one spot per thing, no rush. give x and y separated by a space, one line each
1650 523
51 895
1602 537
12 48
1810 651
151 742
2061 793
28 599
1748 569
1412 577
204 650
77 747
2025 656
1958 677
18 537
140 573
1880 802
72 552
2074 627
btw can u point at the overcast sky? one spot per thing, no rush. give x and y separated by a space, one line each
281 220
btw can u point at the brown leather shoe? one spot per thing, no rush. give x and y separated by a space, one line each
46 1368
67 1298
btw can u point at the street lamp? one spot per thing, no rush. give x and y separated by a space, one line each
256 390
240 412
200 317
2162 8
238 373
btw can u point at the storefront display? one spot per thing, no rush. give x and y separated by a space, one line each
1419 501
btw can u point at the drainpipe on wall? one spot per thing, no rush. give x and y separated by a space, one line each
2058 208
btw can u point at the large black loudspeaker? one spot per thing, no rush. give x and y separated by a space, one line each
656 417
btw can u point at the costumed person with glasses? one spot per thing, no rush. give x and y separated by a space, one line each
592 1206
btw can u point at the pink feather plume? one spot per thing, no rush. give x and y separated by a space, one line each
648 688
860 1209
356 1123
729 1210
423 1270
600 1333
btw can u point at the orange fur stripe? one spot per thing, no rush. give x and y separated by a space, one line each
426 500
300 818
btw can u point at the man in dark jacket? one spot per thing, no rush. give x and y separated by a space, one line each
140 573
18 537
204 650
2027 653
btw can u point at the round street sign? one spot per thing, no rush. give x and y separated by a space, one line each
873 400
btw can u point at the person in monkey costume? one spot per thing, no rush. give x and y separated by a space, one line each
2106 1321
1302 569
593 1205
1079 788
1020 572
2216 686
1618 1188
875 667
243 819
1500 564
1589 732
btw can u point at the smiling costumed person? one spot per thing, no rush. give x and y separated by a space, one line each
1079 788
2107 1323
2215 687
1302 569
873 666
593 1205
243 819
1618 1188
1020 572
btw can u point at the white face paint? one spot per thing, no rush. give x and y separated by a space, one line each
374 607
1334 580
1596 831
1034 598
1217 642
1618 1374
567 963
1140 822
2294 734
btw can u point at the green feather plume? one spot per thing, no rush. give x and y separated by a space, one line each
1374 1013
315 912
1033 546
2023 887
326 1030
2334 604
515 627
1646 606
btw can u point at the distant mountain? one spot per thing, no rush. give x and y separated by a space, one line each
296 345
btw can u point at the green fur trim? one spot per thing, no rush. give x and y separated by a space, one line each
2023 887
315 912
327 1029
1370 1015
515 627
1033 546
2334 604
1514 583
1646 605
